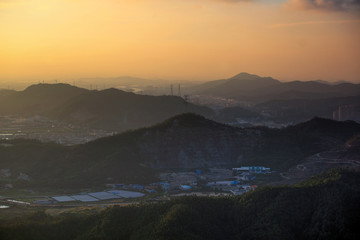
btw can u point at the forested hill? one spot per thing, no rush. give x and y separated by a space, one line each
323 207
114 109
186 141
110 109
37 99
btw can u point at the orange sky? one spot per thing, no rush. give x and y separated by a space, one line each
178 39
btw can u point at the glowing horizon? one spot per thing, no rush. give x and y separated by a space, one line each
185 40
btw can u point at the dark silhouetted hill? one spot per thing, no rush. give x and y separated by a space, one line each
248 87
185 141
328 128
118 110
37 98
110 109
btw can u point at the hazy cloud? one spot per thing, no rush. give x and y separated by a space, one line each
295 24
7 4
324 5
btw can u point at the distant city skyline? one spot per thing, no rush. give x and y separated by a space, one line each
199 40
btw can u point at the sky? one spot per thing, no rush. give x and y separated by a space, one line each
179 39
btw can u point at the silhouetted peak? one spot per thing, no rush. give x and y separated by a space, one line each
45 87
245 75
253 79
189 120
320 121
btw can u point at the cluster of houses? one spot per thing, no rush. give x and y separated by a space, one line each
236 181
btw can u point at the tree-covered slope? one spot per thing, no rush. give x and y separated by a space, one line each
323 207
109 109
185 141
37 99
114 109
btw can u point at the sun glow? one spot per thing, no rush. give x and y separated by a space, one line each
174 40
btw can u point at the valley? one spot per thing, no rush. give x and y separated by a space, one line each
97 150
199 159
179 120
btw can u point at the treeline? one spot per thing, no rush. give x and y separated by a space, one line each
323 207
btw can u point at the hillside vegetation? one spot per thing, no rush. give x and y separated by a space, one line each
323 207
186 141
109 109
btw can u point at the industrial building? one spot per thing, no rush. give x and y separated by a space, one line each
251 169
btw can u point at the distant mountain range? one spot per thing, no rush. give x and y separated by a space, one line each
248 87
186 141
117 110
110 109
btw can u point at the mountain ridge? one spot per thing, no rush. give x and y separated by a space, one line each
110 109
245 86
137 155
